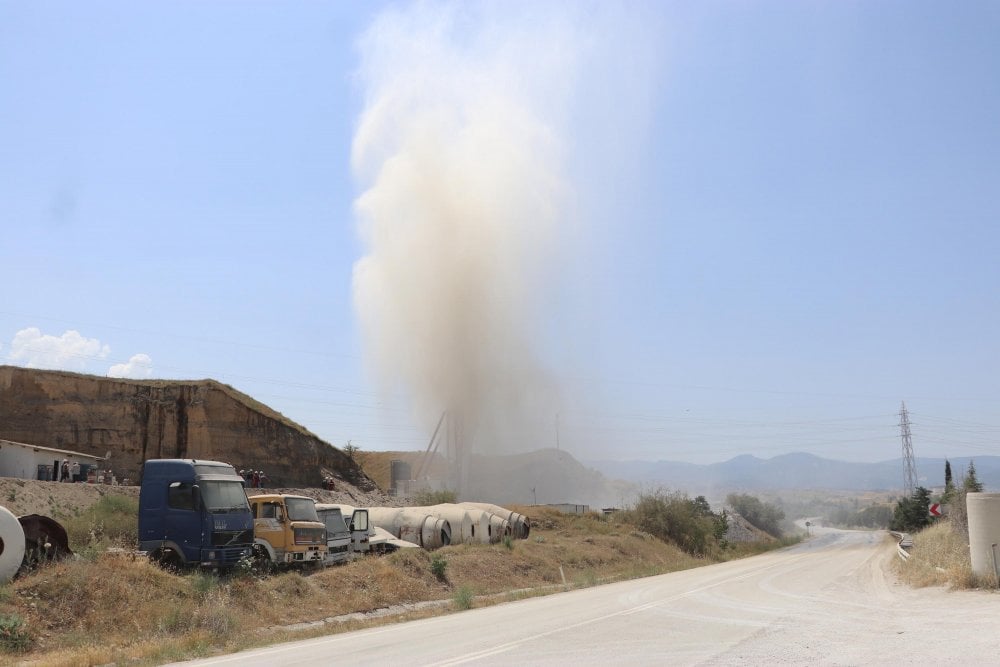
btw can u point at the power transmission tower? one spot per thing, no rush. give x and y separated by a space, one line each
909 468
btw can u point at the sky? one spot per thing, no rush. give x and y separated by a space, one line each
658 231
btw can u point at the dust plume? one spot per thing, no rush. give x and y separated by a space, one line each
467 207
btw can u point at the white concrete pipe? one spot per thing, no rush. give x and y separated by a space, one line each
413 525
520 525
984 532
11 544
474 522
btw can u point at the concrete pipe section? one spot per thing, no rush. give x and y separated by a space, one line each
520 525
468 524
413 525
984 532
11 544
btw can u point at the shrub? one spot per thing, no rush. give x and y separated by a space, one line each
464 598
429 497
13 635
203 582
674 517
438 566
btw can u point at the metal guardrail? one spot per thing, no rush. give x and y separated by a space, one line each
904 542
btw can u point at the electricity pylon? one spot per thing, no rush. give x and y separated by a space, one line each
909 467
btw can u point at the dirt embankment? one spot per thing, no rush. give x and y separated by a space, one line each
55 499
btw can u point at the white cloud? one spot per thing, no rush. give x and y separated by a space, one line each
70 352
139 366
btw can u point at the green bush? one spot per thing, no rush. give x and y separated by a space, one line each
508 542
690 524
203 582
428 497
464 598
438 566
13 635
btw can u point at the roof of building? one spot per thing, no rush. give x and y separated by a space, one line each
64 453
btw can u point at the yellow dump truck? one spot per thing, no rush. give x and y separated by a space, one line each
287 530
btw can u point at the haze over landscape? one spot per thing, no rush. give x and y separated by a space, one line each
665 231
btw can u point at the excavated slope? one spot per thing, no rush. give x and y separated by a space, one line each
136 420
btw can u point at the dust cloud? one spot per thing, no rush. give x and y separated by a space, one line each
467 210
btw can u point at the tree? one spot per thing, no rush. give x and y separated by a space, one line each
949 484
913 513
971 483
355 454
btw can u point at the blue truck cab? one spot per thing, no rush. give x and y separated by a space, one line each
194 512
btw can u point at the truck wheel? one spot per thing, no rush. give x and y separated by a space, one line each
261 560
168 559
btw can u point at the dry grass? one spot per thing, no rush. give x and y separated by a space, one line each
125 610
940 557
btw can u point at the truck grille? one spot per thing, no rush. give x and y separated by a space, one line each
225 538
310 536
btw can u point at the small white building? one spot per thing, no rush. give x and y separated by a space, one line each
18 459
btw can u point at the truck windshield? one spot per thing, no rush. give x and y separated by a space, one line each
334 521
301 509
220 496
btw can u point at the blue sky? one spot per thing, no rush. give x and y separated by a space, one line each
772 222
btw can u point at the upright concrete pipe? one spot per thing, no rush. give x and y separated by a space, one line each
11 544
413 525
520 524
984 532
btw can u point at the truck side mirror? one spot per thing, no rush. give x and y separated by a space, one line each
196 496
279 513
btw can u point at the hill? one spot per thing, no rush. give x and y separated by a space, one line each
136 420
798 471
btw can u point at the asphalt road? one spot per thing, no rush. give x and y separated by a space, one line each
827 601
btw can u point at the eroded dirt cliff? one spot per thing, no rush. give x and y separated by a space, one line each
136 420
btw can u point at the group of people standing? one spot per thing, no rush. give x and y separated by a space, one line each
69 472
255 479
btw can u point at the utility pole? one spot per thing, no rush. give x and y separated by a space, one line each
909 468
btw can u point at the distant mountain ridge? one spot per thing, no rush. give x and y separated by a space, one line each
792 471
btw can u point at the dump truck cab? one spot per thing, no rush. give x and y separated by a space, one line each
338 535
287 530
194 512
